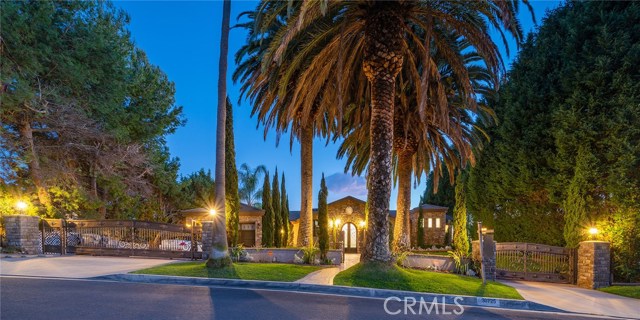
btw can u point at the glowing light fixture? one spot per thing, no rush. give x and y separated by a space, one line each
362 223
330 224
212 212
337 222
21 205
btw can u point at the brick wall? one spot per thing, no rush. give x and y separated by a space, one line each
23 233
594 264
489 255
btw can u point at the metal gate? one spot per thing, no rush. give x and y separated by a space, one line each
121 238
535 262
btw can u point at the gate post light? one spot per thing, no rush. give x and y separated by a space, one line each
21 206
593 232
212 212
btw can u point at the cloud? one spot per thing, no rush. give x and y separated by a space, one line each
345 184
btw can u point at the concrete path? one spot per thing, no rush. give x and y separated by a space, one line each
326 275
574 299
73 266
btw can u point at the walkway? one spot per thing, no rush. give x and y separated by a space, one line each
326 275
73 266
574 299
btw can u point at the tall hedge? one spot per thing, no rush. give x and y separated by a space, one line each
268 222
231 180
284 212
566 154
323 220
277 214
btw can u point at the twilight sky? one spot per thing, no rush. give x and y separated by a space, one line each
183 39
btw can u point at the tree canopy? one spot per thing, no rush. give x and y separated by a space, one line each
566 154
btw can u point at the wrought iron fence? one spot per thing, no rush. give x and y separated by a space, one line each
535 262
121 238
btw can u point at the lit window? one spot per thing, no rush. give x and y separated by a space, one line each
437 222
430 223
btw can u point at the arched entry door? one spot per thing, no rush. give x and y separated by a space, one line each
350 238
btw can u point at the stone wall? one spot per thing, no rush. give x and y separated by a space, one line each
207 238
23 233
594 264
489 255
427 262
286 255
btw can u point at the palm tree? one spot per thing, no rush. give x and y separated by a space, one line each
338 41
219 255
420 146
272 104
249 180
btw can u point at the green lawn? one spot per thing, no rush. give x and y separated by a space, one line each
245 271
393 277
627 291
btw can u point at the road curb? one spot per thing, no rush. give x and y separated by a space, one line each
337 290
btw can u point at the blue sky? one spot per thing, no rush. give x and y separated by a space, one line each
182 38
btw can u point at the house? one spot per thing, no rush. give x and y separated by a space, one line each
347 223
250 228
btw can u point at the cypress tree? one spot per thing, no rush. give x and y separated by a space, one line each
284 209
231 184
323 234
277 214
267 218
460 236
420 241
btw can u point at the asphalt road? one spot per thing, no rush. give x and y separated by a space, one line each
36 298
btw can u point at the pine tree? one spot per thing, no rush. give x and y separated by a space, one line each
267 218
284 209
277 214
460 236
420 241
323 234
231 184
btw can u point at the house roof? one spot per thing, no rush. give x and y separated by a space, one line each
295 215
245 210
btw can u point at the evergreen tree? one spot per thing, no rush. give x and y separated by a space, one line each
277 212
323 220
268 222
565 155
284 209
231 184
420 240
460 235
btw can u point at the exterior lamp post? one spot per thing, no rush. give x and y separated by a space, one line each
593 232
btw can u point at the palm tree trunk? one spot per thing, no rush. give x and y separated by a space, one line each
305 232
401 230
35 172
219 255
383 58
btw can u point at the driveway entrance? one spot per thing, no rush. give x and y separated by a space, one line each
574 299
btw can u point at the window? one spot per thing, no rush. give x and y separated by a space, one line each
430 223
437 222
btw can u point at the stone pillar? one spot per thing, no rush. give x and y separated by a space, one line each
594 264
207 238
489 251
23 233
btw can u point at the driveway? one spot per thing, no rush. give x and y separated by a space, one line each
574 299
325 275
74 266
